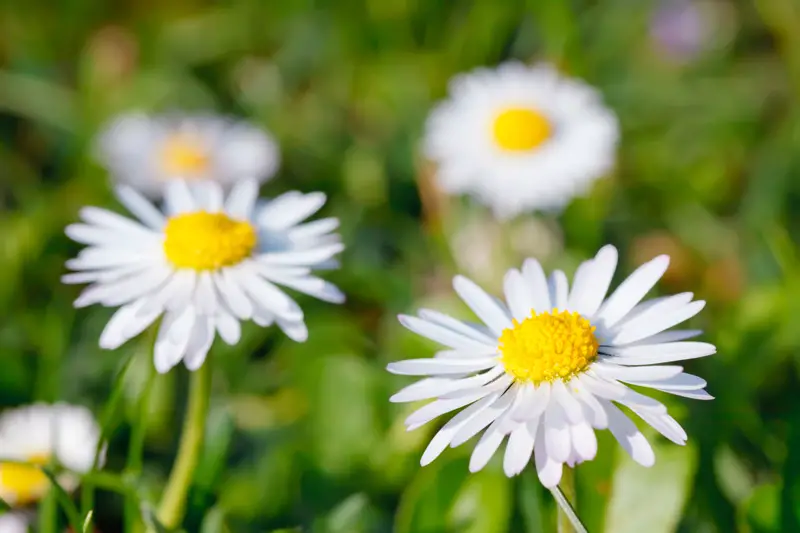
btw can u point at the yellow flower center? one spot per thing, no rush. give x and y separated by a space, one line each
24 483
548 346
207 241
183 156
519 129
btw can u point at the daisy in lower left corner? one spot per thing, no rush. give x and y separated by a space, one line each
204 264
58 435
549 365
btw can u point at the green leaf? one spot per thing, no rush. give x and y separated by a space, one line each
654 496
530 502
762 509
354 515
64 500
425 504
214 521
483 504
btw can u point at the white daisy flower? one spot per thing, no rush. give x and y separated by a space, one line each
149 151
207 264
547 366
41 434
520 138
14 522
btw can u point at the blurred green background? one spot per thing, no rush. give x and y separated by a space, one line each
302 437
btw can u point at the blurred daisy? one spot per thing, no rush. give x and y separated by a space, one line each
41 434
207 264
14 522
520 138
546 367
149 151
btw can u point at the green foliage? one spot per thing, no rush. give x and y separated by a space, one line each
302 437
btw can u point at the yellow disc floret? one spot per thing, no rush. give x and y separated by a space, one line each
519 129
184 157
548 346
207 241
23 484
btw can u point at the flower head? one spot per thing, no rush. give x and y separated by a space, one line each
149 151
44 435
520 138
206 264
546 367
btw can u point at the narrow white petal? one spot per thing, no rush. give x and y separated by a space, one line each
603 267
232 294
658 353
433 387
700 394
441 334
108 219
289 209
534 274
230 330
645 312
486 447
584 441
625 373
177 198
168 352
484 418
664 424
140 207
658 324
294 329
557 435
518 450
436 408
581 283
268 295
631 291
205 297
558 287
680 382
500 384
242 199
429 367
518 296
313 230
669 336
572 408
630 438
548 469
200 342
308 257
485 307
311 285
478 332
124 324
533 403
445 435
593 411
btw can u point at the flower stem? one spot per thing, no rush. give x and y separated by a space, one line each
133 468
568 521
173 501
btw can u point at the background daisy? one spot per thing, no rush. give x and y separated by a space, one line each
547 366
148 151
207 264
520 138
59 434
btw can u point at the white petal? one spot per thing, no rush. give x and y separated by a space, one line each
485 307
485 417
433 387
669 336
289 209
125 290
429 367
444 436
534 275
177 198
557 435
693 394
436 408
584 441
242 199
658 324
630 438
581 283
478 332
519 449
572 408
593 411
201 338
230 330
311 285
658 353
549 469
680 382
294 329
205 297
518 296
558 287
308 257
313 230
140 207
533 402
603 267
486 447
625 373
611 390
108 219
232 294
441 334
645 312
125 324
268 295
664 424
631 291
168 352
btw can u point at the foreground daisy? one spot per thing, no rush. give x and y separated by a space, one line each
546 367
41 434
207 264
520 138
148 151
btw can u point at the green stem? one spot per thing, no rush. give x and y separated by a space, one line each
173 502
48 512
568 520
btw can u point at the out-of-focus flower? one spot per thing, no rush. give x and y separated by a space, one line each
520 138
14 522
149 151
206 264
684 29
545 368
41 434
